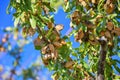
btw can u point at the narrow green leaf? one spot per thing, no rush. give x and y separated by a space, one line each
16 21
117 68
33 22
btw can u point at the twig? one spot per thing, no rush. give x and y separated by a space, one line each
43 36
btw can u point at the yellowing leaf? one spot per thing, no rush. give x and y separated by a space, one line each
16 22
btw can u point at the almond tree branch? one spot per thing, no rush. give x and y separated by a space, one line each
102 58
43 36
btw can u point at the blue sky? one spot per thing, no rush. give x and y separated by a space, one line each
5 20
29 54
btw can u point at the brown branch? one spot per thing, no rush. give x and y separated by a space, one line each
102 58
43 36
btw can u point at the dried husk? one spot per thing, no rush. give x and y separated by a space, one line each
110 26
69 64
107 34
59 27
57 44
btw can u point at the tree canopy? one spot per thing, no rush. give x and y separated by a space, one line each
94 24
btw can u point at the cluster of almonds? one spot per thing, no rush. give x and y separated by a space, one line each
110 32
76 17
88 36
109 5
28 31
38 6
84 2
54 42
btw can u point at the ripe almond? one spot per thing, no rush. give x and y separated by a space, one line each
52 55
109 8
55 32
45 61
81 0
89 25
116 31
79 66
79 35
39 42
63 42
59 27
102 33
108 34
57 44
31 31
55 54
45 57
50 25
75 15
51 47
93 42
84 3
110 26
57 38
69 64
108 1
94 1
43 50
48 56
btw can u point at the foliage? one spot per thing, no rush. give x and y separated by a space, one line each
91 20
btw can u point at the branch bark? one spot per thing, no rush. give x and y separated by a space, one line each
102 58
